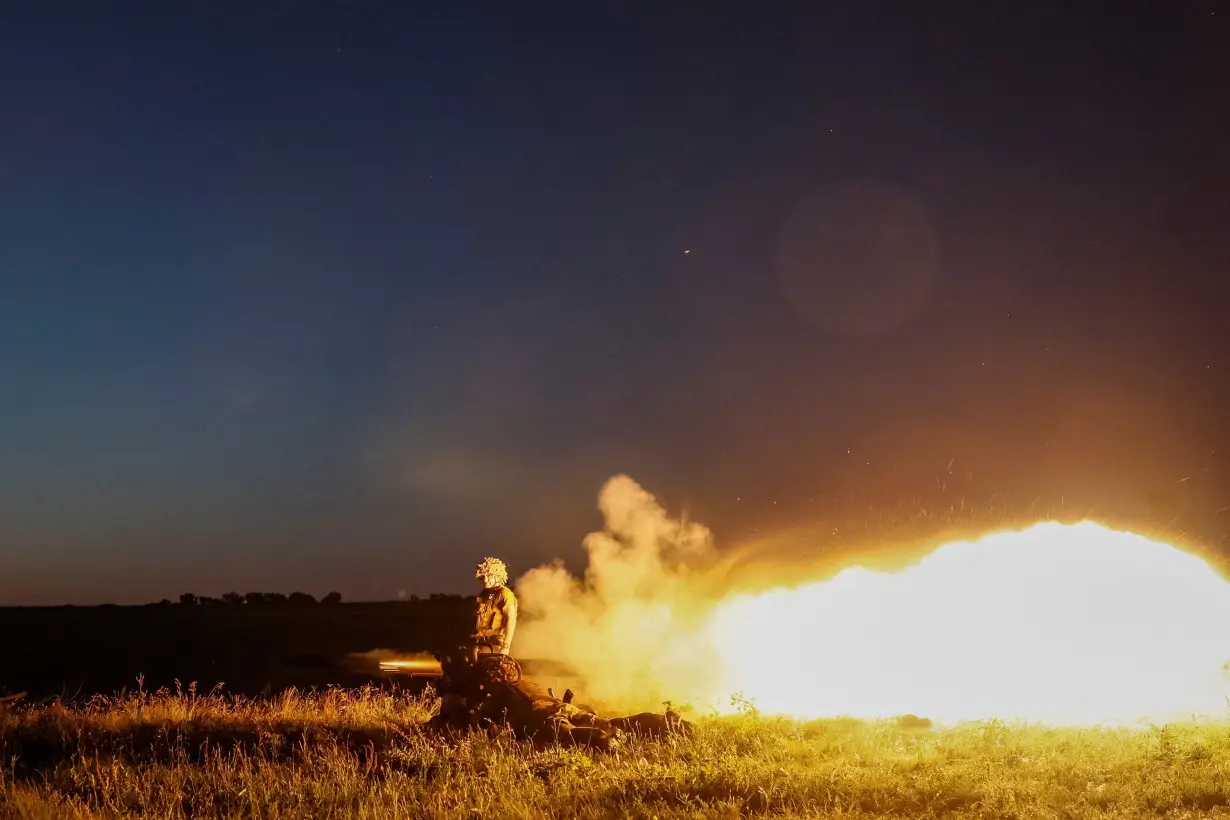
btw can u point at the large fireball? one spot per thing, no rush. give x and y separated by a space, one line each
1066 624
1057 623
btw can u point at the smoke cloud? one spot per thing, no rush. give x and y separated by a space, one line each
632 626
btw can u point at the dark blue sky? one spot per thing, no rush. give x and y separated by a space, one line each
346 295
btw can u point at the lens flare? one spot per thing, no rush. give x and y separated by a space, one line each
1062 624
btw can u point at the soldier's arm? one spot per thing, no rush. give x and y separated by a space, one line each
508 605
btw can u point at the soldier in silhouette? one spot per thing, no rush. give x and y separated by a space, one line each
497 610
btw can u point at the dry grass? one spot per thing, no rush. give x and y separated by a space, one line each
361 754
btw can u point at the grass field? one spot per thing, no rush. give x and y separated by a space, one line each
361 754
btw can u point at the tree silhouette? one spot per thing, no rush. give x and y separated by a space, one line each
233 598
187 599
332 598
301 599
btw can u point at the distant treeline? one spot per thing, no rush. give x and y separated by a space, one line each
279 599
250 643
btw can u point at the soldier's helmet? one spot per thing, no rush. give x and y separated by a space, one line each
494 569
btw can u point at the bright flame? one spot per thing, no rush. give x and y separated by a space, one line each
1064 624
1057 623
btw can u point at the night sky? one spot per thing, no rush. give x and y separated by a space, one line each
347 295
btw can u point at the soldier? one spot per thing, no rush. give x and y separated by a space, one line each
472 699
482 685
497 610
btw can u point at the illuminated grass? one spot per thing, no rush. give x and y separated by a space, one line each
361 754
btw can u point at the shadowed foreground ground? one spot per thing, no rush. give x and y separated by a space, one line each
360 754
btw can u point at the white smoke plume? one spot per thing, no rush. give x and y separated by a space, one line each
631 625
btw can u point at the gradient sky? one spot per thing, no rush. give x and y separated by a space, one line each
306 295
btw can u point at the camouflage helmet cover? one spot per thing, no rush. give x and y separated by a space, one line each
492 568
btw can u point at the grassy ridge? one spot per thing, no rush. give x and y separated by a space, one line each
361 754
